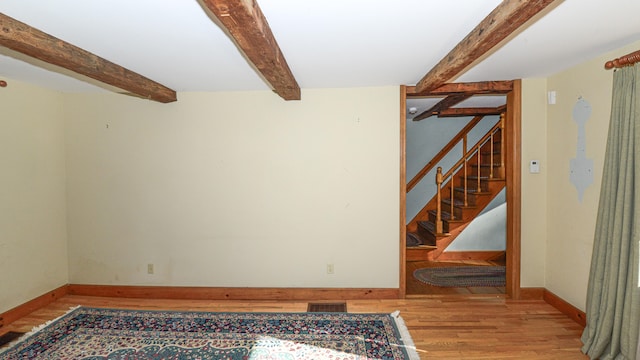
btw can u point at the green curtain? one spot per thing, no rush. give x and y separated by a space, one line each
613 294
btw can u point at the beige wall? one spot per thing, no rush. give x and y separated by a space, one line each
33 241
571 223
244 189
235 189
534 186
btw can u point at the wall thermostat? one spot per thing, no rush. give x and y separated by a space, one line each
534 166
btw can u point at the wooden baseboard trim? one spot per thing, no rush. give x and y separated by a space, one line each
571 311
532 293
214 293
19 311
470 255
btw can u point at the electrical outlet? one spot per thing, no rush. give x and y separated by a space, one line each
149 268
330 269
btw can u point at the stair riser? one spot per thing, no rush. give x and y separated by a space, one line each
447 225
486 158
421 239
471 198
460 213
457 212
417 254
428 237
473 184
486 171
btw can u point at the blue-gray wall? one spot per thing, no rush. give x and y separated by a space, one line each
488 231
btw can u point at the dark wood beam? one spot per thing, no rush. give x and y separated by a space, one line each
34 43
445 103
475 111
500 23
483 87
247 26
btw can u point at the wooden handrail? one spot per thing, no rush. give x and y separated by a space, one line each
442 178
416 179
472 150
625 60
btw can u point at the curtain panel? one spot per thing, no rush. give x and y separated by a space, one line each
613 294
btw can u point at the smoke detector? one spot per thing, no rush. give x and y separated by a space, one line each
413 110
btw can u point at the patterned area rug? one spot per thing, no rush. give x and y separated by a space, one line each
92 334
462 276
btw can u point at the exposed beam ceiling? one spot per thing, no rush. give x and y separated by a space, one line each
448 95
476 88
498 25
32 42
327 44
248 27
476 111
444 104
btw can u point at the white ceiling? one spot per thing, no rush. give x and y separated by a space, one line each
327 43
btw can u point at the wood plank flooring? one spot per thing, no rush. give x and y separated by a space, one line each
442 326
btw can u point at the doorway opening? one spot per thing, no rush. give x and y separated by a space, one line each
477 101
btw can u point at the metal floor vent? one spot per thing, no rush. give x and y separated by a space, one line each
327 307
9 337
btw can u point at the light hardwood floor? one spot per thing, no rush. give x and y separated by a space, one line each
442 326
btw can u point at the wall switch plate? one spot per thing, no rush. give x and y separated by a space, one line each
551 97
330 269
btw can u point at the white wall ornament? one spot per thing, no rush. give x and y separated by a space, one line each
581 168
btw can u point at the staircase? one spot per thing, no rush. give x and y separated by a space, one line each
463 192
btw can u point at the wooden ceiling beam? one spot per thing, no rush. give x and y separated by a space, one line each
475 111
445 103
248 27
478 88
498 25
34 43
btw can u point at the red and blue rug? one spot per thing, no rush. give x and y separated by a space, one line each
93 334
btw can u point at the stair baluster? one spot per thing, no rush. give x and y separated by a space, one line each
491 157
438 200
502 152
478 167
465 191
451 213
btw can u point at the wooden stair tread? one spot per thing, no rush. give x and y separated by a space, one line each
424 247
487 165
423 236
446 216
431 227
484 178
473 191
457 203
